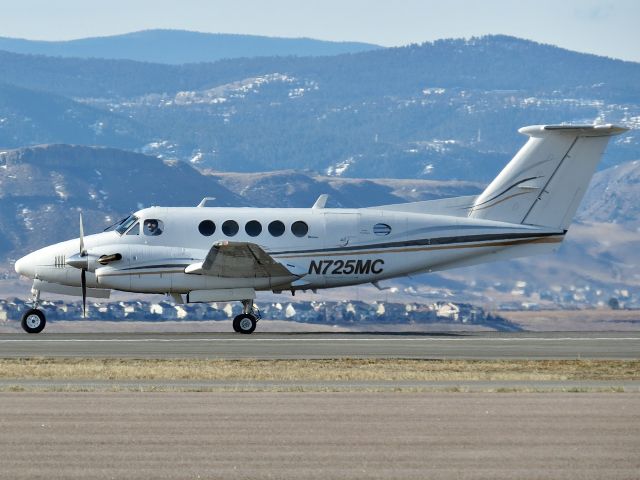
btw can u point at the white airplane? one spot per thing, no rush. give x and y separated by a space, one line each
205 254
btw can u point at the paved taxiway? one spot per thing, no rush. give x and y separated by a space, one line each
540 386
479 346
319 435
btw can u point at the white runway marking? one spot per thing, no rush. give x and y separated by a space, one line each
352 340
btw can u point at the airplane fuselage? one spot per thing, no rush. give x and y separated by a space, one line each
338 247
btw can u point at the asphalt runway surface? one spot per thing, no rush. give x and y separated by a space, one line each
474 346
243 385
319 436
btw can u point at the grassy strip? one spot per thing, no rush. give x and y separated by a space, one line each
318 370
293 388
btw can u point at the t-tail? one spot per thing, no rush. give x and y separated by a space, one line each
544 183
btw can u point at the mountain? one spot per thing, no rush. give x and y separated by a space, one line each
44 117
180 46
614 196
515 65
382 126
299 189
443 110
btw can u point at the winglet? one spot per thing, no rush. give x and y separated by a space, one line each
320 202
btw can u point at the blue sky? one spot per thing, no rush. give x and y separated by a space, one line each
596 26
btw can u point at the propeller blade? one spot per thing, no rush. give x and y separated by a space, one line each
83 281
83 252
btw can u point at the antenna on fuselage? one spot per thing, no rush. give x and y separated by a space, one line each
203 202
321 201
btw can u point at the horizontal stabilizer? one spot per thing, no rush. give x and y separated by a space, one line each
575 130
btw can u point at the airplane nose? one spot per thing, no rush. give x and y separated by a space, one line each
19 266
24 266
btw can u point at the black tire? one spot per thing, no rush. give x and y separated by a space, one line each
245 323
33 321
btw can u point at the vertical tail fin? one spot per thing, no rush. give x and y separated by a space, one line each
546 180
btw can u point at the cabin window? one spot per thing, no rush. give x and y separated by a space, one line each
299 229
207 228
230 228
153 227
253 228
381 229
276 228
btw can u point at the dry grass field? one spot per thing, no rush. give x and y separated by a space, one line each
318 370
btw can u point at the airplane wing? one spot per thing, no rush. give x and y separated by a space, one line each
239 259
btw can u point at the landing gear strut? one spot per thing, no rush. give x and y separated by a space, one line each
247 320
33 320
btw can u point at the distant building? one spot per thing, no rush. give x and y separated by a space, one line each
181 313
448 310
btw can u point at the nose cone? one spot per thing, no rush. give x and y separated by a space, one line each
26 266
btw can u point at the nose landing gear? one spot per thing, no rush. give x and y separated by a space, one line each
247 320
33 320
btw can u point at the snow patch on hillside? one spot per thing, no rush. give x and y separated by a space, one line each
224 93
338 169
197 157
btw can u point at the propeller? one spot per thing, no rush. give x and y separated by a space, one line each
83 251
83 270
81 261
83 281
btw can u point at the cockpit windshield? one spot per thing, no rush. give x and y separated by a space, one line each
124 225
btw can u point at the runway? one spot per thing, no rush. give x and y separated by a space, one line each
468 346
319 435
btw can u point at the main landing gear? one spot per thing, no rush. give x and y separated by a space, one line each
33 320
247 320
